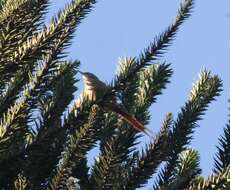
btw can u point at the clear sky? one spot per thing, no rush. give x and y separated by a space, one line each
117 28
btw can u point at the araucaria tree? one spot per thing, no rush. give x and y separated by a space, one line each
44 141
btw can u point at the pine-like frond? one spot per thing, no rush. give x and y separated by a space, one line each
145 165
14 143
56 35
79 143
62 90
13 129
44 152
108 166
49 62
203 93
18 8
219 181
18 21
82 173
153 80
222 159
10 94
14 121
128 94
46 67
186 170
159 45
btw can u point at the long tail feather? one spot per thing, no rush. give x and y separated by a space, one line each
130 119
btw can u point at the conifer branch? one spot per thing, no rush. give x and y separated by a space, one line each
43 153
203 93
128 93
160 44
214 182
9 7
145 165
127 97
147 86
63 90
59 30
17 27
186 170
15 119
81 172
153 80
13 7
45 138
222 159
106 171
9 96
48 65
80 142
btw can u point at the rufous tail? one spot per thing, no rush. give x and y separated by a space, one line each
130 119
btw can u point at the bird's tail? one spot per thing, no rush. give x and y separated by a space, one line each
130 119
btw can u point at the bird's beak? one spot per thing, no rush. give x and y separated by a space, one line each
81 72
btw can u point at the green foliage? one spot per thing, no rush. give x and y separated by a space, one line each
45 136
77 146
158 46
222 159
214 182
27 16
186 170
203 92
145 165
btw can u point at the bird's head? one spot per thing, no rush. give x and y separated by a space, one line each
88 77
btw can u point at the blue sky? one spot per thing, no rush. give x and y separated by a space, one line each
117 28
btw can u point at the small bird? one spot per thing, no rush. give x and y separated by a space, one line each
95 89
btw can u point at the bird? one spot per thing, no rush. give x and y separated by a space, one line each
94 91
